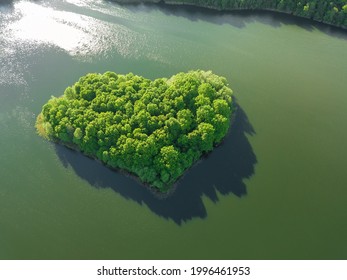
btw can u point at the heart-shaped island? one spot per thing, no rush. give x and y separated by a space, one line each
153 129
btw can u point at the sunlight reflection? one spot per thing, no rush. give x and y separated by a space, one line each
43 24
85 29
78 34
81 3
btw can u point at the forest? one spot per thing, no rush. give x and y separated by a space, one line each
152 129
331 12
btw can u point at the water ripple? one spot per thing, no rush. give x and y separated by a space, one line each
29 26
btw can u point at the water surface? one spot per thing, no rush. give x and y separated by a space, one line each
275 189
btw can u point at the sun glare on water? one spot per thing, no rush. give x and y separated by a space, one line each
26 27
45 25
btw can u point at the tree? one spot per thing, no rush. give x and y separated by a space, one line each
154 129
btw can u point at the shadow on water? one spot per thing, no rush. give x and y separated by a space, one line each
222 171
6 4
239 18
10 2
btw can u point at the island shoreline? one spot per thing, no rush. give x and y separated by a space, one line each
60 122
153 190
165 3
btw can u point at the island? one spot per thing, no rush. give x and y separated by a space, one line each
330 12
154 130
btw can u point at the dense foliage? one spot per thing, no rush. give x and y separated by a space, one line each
332 12
154 129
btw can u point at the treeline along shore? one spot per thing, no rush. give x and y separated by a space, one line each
330 12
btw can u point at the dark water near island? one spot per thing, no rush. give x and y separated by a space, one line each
275 189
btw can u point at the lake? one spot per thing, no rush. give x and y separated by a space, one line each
275 189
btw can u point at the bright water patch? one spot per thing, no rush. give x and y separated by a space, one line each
27 26
75 33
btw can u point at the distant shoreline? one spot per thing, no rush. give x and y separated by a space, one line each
217 9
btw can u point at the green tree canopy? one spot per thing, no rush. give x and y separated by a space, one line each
153 129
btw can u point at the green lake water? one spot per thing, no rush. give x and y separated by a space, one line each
275 189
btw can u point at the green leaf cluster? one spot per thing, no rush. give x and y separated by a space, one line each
153 129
